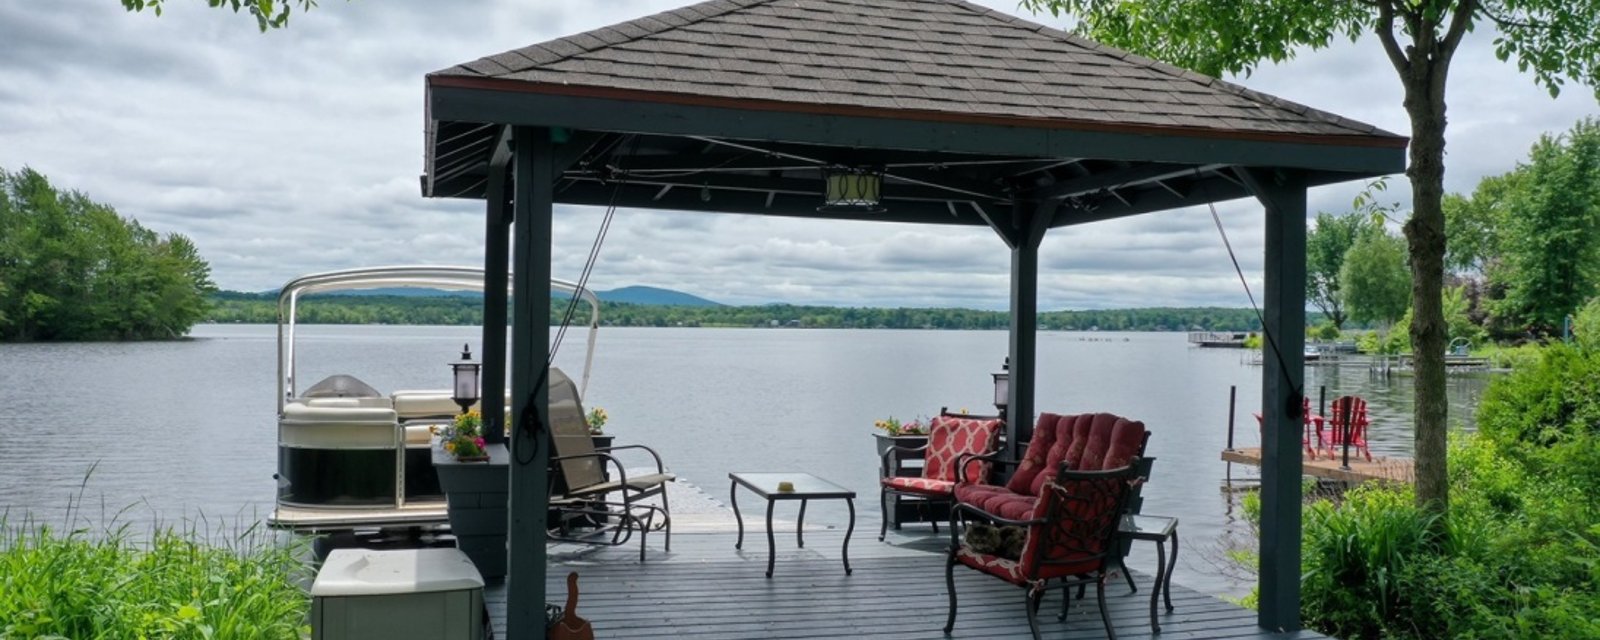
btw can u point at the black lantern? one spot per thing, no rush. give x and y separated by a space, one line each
466 387
1002 387
852 189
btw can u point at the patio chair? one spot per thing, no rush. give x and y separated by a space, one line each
1071 540
1311 427
618 503
952 439
1348 416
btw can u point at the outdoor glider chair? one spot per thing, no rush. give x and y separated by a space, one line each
1070 540
586 505
954 440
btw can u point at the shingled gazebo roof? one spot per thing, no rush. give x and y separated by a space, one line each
928 59
956 83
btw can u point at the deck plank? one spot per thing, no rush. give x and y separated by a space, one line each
706 590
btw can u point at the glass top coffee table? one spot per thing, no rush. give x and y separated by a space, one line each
801 486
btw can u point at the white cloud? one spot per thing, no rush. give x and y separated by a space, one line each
299 150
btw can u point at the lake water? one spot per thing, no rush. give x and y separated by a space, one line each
179 429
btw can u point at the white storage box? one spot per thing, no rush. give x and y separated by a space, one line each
403 594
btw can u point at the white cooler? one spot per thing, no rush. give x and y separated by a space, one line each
403 594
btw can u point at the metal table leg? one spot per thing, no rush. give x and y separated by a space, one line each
1172 566
800 527
733 497
846 551
1155 590
772 547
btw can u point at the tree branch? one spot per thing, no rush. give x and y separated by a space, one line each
1459 22
1385 30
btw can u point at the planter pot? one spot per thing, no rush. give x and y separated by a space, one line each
885 441
475 493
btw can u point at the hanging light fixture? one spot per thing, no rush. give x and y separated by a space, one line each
852 189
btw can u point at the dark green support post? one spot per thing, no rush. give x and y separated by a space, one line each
496 243
530 341
1027 229
1282 387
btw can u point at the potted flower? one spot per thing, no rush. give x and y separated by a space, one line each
596 418
463 437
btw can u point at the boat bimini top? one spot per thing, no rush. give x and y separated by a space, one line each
432 277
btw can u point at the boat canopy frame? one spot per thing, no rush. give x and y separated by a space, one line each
449 278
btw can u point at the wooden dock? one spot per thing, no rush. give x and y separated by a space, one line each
1380 468
705 589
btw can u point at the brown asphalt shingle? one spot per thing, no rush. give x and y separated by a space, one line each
943 56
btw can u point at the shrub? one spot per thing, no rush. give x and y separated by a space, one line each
1586 326
175 586
1552 401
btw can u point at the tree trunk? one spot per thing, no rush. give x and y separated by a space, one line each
1425 234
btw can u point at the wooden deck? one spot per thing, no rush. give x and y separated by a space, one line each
1380 468
706 590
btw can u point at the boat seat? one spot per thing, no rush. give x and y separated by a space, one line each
417 405
337 427
418 435
371 403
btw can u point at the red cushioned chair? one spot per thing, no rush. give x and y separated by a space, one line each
954 442
1348 415
1071 540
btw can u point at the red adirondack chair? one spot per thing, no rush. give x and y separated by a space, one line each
1348 419
1312 425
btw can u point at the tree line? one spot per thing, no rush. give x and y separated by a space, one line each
237 307
72 269
1524 252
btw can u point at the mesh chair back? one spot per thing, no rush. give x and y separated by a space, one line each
569 433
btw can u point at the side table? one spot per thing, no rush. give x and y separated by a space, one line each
1158 529
803 487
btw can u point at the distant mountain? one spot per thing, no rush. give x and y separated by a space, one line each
656 296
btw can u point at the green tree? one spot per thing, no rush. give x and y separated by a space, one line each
1553 39
1326 246
1552 237
1377 284
269 14
75 270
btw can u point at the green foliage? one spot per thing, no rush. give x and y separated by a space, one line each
1355 558
1376 277
1326 246
1325 331
176 586
75 270
1554 401
1476 225
1586 326
1552 235
1511 357
269 14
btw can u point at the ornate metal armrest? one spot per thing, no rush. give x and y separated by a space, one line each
890 456
992 458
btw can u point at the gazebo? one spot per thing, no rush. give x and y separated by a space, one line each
911 111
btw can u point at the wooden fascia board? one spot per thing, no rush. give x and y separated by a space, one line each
483 100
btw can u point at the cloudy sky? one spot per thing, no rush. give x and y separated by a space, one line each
299 150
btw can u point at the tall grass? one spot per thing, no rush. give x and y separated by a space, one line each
79 583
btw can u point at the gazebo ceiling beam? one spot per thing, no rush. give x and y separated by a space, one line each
1118 178
1078 211
761 184
690 198
750 162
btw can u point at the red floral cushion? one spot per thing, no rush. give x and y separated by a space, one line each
924 486
1033 461
1094 452
1067 441
950 437
1127 438
1080 440
978 494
